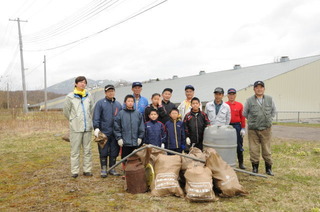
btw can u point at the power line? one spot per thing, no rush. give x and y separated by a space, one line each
72 21
94 34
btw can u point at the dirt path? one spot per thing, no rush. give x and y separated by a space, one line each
304 133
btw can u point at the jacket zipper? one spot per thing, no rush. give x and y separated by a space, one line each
131 129
175 132
84 115
197 128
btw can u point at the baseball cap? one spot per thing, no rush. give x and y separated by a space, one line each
167 89
107 87
232 90
218 90
258 83
189 87
134 84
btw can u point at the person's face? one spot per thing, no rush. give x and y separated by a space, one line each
156 100
218 96
174 115
166 95
189 93
110 93
153 115
232 97
81 85
137 90
129 103
259 90
195 105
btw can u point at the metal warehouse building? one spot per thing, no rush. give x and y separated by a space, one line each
293 84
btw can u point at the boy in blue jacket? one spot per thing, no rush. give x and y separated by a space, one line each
155 133
176 139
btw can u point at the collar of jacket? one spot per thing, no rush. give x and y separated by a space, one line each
126 109
111 100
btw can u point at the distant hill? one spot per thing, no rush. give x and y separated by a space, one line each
68 85
16 98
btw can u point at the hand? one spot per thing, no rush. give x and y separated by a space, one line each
160 101
96 132
242 132
139 141
120 142
188 141
162 146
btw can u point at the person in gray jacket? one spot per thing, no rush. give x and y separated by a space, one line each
259 111
218 111
129 127
78 110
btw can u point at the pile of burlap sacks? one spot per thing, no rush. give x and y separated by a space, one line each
194 180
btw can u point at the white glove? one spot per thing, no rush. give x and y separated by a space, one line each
188 141
120 142
162 146
242 132
96 132
139 141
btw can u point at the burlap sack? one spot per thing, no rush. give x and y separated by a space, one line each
149 155
224 176
199 184
196 153
167 171
102 139
66 137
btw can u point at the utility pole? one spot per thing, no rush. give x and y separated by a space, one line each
8 100
25 104
45 84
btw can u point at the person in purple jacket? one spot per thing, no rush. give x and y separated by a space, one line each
155 133
176 139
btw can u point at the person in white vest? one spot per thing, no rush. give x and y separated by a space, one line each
185 105
218 111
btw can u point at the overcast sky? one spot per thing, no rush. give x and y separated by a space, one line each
178 37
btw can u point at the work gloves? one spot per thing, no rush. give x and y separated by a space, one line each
188 141
162 146
120 142
96 132
242 132
139 141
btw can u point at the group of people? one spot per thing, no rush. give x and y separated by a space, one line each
160 123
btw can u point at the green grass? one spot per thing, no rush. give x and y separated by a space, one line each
35 176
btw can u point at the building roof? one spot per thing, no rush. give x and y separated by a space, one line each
204 84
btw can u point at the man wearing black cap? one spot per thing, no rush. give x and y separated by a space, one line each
185 105
168 106
218 111
140 102
259 111
238 121
104 114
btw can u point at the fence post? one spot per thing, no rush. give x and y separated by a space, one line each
298 116
277 117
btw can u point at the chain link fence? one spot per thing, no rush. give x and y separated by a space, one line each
298 116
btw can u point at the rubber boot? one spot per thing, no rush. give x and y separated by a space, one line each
112 161
240 160
255 167
103 162
269 169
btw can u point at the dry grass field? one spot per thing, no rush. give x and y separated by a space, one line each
35 175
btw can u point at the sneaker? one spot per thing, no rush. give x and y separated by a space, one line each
114 173
74 175
87 174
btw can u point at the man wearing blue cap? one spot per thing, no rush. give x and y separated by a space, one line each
238 121
259 111
140 102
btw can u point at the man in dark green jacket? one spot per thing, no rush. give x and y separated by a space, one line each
259 111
